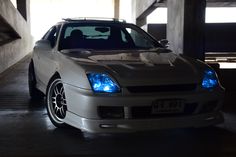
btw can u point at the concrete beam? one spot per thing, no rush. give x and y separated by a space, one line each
12 16
141 21
186 27
143 5
12 52
221 4
210 3
215 3
21 7
7 33
144 8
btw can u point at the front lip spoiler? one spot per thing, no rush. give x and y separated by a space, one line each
131 125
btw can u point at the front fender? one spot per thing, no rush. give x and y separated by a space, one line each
72 73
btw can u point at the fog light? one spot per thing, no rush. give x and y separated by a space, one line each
107 112
209 107
210 118
107 126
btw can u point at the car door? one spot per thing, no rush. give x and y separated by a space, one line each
45 63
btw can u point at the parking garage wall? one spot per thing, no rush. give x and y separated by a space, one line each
219 37
12 52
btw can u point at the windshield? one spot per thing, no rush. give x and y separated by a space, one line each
99 36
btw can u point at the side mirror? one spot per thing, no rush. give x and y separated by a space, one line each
44 45
164 42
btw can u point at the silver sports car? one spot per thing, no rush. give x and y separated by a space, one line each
111 76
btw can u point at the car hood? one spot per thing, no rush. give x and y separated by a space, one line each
132 68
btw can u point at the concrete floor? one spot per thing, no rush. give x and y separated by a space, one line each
25 130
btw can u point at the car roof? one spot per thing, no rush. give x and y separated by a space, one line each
91 19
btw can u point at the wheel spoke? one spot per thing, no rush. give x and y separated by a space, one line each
62 111
62 91
56 90
54 100
64 101
56 110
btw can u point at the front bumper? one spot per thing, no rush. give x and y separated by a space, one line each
83 110
130 125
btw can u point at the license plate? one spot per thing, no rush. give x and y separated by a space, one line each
167 106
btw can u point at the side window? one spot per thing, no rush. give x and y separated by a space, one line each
52 34
123 37
126 38
138 39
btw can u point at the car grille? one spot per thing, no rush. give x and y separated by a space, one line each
162 88
143 112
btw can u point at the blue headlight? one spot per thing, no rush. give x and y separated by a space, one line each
102 83
209 80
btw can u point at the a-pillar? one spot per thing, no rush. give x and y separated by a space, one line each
186 27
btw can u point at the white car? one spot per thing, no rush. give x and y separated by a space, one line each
111 76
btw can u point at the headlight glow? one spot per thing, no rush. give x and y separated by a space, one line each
102 83
209 79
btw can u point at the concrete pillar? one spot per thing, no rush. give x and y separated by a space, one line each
117 9
186 27
133 9
28 12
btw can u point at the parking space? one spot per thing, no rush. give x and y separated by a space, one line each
25 130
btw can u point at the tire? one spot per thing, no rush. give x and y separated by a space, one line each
56 102
34 93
